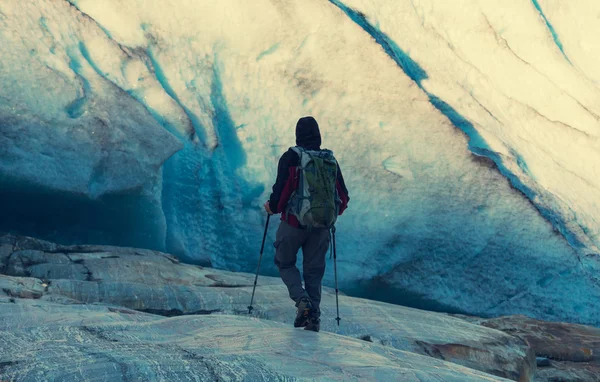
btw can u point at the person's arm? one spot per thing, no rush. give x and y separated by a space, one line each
342 190
283 174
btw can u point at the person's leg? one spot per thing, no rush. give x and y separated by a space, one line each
287 243
314 251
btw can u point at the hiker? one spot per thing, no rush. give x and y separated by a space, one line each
314 237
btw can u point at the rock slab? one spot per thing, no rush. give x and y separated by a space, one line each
149 285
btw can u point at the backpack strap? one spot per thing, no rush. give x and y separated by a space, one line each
300 151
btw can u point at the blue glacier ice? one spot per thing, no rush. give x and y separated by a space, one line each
158 124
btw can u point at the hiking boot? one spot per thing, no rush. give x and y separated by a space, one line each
303 313
314 324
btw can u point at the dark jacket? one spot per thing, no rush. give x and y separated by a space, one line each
308 136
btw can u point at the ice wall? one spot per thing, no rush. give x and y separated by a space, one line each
507 70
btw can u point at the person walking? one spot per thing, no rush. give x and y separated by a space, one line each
309 193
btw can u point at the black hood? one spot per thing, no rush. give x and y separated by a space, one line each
308 134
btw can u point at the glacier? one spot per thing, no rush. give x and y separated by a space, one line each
468 137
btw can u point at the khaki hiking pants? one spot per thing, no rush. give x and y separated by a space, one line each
314 244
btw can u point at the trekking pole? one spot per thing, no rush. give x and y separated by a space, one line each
259 260
337 304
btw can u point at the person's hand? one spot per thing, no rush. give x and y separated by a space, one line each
268 208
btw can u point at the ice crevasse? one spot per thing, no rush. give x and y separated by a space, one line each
468 137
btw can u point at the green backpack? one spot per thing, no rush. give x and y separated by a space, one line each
315 202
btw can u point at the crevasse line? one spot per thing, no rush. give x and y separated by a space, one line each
555 37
